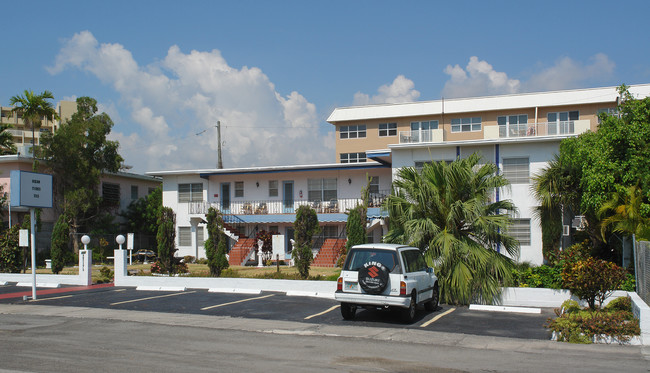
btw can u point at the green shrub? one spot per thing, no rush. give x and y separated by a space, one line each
538 277
570 306
620 304
11 258
106 275
581 326
629 284
592 279
188 259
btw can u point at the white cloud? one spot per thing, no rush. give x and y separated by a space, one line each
400 90
479 78
183 94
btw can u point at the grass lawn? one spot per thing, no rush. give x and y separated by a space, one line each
201 270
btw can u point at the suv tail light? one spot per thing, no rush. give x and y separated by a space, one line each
339 284
402 288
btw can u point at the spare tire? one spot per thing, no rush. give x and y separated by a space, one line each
373 277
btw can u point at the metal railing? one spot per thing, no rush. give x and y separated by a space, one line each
274 207
539 129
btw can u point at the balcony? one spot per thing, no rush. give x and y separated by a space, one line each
572 127
276 207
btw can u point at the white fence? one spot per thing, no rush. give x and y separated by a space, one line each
43 280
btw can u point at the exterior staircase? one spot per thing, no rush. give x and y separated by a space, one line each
240 251
329 252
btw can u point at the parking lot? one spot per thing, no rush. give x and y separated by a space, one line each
279 306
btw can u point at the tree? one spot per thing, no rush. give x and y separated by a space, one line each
77 154
33 108
142 214
10 253
628 211
166 238
60 240
616 155
446 211
592 279
6 140
305 226
215 245
356 227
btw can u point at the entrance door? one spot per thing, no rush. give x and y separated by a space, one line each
225 197
287 196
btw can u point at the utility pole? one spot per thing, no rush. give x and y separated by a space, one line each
219 161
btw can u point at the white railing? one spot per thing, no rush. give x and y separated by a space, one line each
274 207
539 129
417 136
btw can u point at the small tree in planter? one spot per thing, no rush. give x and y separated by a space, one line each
166 238
593 279
306 225
60 240
215 245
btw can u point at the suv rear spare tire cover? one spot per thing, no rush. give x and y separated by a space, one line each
373 277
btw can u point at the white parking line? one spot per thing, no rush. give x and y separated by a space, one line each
238 301
437 318
324 312
40 299
147 298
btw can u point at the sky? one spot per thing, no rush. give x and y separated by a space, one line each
272 71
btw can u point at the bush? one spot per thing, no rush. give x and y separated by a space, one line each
629 284
538 277
156 268
106 274
188 259
11 258
583 325
592 279
620 304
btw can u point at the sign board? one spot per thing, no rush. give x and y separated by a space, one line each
31 189
129 241
23 238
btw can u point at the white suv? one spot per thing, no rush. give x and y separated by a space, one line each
386 275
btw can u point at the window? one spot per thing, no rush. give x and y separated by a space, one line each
239 188
516 170
134 192
274 229
111 194
184 236
321 189
520 230
612 111
466 124
190 192
561 122
353 132
374 185
200 236
273 188
420 131
513 125
353 157
387 129
330 231
413 261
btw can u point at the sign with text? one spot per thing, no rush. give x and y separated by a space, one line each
31 189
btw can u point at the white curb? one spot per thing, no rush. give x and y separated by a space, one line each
481 307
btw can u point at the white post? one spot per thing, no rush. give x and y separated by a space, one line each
260 263
86 262
32 222
120 266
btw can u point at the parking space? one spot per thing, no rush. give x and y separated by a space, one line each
279 306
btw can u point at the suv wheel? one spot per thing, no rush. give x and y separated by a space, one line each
348 310
432 305
408 314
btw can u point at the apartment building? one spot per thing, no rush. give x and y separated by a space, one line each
258 199
22 133
520 133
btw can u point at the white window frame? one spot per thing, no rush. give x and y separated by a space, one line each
387 129
563 122
353 157
513 125
185 236
516 170
273 188
239 189
352 132
467 124
190 192
325 189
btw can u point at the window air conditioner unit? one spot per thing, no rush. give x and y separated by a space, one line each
579 222
566 230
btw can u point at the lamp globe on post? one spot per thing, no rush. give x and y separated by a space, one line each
120 240
85 239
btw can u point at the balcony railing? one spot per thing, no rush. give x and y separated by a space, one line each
274 207
539 129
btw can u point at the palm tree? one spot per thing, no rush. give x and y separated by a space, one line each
627 207
447 211
34 108
6 140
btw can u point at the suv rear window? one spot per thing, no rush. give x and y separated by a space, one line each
357 257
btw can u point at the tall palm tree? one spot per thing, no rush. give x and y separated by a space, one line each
34 108
6 140
626 213
447 211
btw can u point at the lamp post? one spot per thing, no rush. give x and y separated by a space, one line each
120 240
85 239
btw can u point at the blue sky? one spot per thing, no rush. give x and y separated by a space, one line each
273 71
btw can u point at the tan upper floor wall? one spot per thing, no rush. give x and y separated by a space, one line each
373 141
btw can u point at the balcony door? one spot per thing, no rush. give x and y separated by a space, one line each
287 196
225 197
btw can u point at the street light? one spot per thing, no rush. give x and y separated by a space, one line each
120 240
85 239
